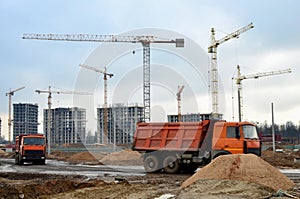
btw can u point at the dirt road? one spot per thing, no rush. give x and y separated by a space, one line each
65 168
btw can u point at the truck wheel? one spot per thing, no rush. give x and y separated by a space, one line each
16 159
171 164
21 162
151 164
42 162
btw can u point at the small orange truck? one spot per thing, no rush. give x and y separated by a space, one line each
30 148
184 146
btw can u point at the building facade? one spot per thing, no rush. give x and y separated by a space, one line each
192 117
25 119
121 123
68 126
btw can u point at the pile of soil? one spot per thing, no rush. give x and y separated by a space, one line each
242 167
59 155
7 155
125 157
40 185
85 157
281 160
219 189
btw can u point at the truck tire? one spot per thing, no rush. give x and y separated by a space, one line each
16 159
21 162
171 164
151 164
42 162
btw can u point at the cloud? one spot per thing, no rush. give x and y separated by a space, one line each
272 45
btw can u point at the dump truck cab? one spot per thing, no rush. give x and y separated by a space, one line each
235 138
30 148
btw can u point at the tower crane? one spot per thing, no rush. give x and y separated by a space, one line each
144 40
105 111
240 78
10 94
50 92
178 94
214 65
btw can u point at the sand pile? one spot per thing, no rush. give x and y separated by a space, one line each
125 157
243 167
2 152
86 157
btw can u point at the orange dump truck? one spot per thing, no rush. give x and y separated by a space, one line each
30 148
183 146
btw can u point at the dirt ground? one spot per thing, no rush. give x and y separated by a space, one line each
149 186
159 185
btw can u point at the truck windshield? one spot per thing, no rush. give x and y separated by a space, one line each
34 141
250 132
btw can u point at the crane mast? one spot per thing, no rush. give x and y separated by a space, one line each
178 94
105 109
10 94
50 92
241 77
144 40
214 65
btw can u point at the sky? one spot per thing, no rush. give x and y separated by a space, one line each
273 44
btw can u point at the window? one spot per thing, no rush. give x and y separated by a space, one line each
250 132
231 132
34 141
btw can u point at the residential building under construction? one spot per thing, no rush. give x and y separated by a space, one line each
68 126
25 119
121 123
193 117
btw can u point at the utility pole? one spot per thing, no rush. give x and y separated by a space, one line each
273 128
10 94
214 64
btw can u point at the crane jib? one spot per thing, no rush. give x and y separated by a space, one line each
103 38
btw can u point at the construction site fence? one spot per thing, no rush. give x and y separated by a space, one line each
92 150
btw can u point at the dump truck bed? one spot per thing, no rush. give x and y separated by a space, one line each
187 136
